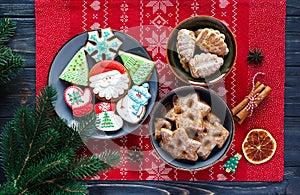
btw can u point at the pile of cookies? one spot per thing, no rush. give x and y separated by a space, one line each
201 52
189 130
120 89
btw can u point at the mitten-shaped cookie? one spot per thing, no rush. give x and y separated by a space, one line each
78 100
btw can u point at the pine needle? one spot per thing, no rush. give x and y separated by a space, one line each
38 152
7 30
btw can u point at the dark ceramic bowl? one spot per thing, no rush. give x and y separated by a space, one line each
66 53
195 23
218 107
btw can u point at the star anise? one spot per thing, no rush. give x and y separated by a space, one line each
255 56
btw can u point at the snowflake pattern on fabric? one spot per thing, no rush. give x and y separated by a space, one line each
159 5
102 47
158 172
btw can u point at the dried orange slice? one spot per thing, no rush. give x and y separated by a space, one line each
259 146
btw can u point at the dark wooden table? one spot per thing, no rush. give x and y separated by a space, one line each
21 91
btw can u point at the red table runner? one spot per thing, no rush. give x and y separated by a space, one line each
256 24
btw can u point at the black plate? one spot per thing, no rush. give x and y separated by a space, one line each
218 107
66 53
195 23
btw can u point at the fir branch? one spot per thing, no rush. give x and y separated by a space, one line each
44 113
85 126
69 134
109 159
10 64
7 30
14 141
52 165
39 153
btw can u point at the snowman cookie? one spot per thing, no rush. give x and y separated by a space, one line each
107 120
109 80
79 100
132 107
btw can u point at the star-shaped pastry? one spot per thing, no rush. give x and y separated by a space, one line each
179 145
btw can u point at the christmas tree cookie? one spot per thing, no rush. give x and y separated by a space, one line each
104 46
132 107
107 120
76 71
139 67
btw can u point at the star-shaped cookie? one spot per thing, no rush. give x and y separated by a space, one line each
179 145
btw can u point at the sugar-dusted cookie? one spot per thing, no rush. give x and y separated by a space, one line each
214 135
185 47
205 64
78 100
107 120
76 71
189 111
210 40
109 80
139 67
104 46
159 124
132 107
179 145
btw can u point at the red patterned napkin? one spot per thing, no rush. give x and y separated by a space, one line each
255 23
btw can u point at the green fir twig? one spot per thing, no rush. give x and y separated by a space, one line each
10 63
38 152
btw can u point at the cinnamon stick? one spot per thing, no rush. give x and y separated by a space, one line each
241 112
257 89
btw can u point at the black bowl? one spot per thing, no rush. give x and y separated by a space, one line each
195 23
218 107
66 53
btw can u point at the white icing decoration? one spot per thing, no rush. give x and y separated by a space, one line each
132 107
116 121
110 84
75 97
104 47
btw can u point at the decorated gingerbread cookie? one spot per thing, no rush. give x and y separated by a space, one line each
76 71
109 80
104 46
79 100
132 107
139 68
107 120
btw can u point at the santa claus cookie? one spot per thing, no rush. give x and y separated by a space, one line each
107 120
132 107
109 80
78 100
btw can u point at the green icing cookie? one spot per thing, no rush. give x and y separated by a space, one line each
139 67
76 71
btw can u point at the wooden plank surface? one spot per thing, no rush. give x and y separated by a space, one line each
21 91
